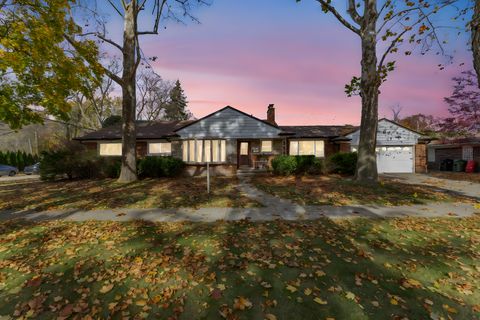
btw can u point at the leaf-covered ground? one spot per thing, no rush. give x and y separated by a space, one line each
338 191
460 176
107 194
408 268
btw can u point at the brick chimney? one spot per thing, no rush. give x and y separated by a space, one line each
271 114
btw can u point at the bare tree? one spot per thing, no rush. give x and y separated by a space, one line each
153 95
131 56
395 23
97 103
396 110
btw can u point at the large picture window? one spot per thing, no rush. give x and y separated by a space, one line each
202 151
307 147
107 149
160 148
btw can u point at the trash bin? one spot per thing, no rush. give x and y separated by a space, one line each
446 165
470 166
459 165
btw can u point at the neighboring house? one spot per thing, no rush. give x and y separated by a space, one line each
454 149
230 139
399 149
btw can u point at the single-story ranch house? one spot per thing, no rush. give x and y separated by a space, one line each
232 140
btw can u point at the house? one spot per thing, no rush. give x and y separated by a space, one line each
230 139
399 149
467 148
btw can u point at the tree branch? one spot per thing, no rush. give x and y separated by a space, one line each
109 73
328 7
352 10
115 8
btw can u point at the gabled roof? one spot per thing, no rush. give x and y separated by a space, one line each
395 123
158 129
232 108
316 131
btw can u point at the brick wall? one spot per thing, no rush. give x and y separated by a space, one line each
420 158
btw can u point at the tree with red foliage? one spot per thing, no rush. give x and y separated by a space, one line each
464 105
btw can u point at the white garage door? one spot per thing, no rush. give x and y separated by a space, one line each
395 159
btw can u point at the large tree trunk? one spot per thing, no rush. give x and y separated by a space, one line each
129 159
476 39
367 160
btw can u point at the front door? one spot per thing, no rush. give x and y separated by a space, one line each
244 153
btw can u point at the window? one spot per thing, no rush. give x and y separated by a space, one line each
307 147
201 151
110 149
163 148
266 146
244 148
467 153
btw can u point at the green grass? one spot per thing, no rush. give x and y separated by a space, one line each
343 269
338 191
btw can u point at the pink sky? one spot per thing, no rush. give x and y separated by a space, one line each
246 55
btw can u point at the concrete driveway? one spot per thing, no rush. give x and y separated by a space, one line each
466 188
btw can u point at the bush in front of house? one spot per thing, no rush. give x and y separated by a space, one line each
284 165
111 167
343 163
289 165
72 160
157 167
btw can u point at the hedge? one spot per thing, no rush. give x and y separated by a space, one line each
289 165
343 163
75 161
19 159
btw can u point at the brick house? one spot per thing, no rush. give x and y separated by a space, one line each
230 139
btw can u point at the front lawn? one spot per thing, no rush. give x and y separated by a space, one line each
409 268
336 190
108 194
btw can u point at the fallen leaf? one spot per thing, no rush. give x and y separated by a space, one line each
350 295
106 288
141 303
449 309
241 303
307 291
291 288
270 316
320 301
216 294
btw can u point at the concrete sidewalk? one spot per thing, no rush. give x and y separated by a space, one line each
255 214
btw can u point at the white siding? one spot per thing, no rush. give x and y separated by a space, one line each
389 134
230 124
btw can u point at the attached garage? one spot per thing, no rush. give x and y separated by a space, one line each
397 148
395 159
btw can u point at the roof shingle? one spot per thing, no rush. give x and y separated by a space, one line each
158 129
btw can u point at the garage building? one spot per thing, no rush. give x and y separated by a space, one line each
399 149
